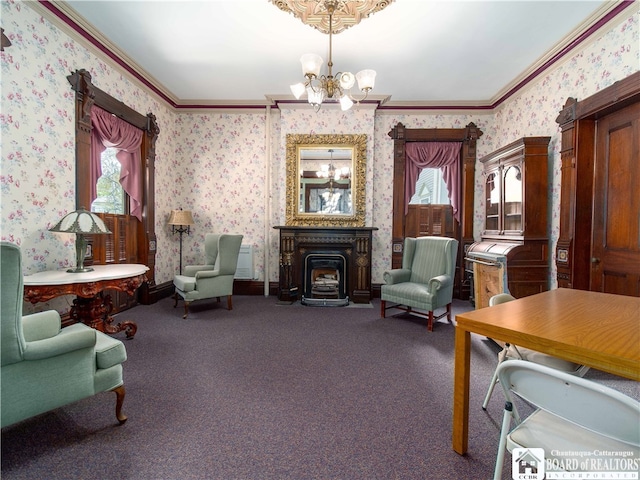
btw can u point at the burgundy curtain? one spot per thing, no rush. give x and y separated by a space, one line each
443 155
111 131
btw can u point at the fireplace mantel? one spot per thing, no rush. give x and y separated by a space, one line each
354 243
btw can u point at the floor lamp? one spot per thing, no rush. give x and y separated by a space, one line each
181 221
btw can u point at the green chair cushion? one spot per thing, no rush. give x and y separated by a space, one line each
109 351
186 284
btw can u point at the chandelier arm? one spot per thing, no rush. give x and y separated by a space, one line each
356 100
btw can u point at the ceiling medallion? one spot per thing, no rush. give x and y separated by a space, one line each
346 14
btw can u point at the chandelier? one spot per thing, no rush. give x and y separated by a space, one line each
332 173
323 87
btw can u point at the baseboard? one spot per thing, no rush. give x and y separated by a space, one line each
164 290
240 287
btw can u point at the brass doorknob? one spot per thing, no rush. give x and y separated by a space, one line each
595 260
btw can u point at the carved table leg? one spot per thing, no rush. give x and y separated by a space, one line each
96 313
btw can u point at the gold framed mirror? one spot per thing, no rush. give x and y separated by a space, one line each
326 180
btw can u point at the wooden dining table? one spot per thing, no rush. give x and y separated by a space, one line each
600 330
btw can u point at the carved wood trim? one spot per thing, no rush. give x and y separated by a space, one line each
43 293
578 123
142 248
468 136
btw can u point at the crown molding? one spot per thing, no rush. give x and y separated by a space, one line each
79 29
608 13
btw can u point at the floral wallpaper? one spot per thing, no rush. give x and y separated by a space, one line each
229 168
610 56
218 170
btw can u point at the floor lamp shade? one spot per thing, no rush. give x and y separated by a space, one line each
81 222
182 218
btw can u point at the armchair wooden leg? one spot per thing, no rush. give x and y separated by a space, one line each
119 401
449 312
175 298
383 308
186 309
229 303
430 321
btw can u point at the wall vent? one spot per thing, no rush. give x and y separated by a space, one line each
245 263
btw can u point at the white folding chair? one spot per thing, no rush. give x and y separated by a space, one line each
511 352
572 414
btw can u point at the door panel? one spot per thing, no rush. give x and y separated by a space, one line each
615 253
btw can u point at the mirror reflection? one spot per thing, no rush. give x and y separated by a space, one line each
325 181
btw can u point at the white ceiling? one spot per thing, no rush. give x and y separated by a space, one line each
425 52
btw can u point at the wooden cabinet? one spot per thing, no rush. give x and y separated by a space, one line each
503 196
516 214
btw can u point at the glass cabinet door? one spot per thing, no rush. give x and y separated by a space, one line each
492 202
512 199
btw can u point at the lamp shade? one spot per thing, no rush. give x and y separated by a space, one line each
315 97
311 64
181 217
298 90
345 102
347 80
80 221
366 79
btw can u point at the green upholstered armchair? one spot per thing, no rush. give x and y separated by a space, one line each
425 280
45 366
213 279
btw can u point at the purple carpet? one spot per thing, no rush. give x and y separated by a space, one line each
269 391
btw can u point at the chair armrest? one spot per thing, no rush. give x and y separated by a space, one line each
207 274
191 270
41 325
68 340
397 275
436 283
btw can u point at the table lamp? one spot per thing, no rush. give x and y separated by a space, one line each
182 219
81 222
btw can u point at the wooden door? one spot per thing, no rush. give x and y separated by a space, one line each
615 244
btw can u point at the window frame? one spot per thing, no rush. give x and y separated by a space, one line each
141 244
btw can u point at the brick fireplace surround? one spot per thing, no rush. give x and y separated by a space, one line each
352 243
